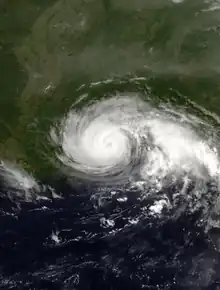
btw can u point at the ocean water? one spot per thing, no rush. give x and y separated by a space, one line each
110 144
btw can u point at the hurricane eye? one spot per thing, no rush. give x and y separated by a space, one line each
121 137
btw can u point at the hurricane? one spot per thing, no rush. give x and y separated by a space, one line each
136 182
110 145
125 137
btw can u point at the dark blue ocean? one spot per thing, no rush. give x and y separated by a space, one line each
59 243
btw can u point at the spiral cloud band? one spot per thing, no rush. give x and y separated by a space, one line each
120 137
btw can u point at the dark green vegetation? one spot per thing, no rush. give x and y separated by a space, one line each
54 52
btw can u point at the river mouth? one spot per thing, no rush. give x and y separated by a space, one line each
109 143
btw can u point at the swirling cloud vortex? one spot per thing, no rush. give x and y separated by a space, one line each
120 137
